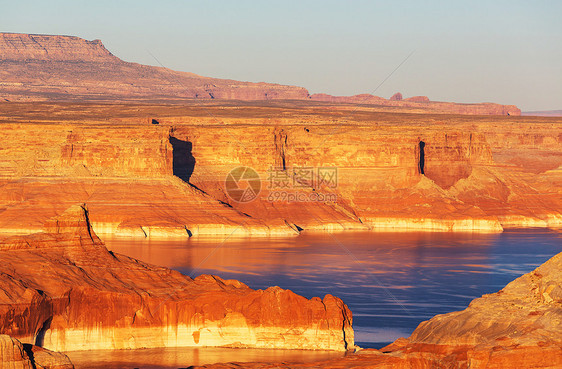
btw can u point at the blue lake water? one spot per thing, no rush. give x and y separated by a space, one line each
391 281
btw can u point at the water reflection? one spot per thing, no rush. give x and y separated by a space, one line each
165 358
391 281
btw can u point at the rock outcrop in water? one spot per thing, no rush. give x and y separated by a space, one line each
54 67
517 327
63 290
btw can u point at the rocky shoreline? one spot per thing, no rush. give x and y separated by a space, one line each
63 290
516 327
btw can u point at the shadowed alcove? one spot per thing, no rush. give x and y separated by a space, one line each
40 337
421 163
183 160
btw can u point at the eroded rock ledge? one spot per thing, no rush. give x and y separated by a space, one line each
63 290
517 327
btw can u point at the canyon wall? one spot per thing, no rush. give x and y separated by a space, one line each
93 151
68 68
66 291
168 179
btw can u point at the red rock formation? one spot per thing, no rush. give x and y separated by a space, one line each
476 175
27 47
14 355
396 97
356 99
64 290
39 67
421 104
418 99
45 67
517 327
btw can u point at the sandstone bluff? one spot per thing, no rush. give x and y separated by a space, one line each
517 327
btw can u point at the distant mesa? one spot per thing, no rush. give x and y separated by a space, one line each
396 97
418 99
543 113
26 47
43 67
63 68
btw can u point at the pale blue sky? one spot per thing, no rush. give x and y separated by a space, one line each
466 51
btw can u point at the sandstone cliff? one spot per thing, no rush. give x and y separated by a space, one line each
54 67
517 327
63 290
479 174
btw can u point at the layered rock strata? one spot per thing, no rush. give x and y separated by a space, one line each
63 290
479 174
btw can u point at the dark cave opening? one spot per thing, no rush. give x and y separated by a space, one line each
183 162
421 163
40 337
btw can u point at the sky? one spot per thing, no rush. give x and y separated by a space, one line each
508 52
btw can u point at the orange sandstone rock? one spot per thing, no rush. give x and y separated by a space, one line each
517 327
14 355
63 290
479 173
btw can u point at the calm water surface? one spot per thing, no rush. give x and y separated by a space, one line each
390 281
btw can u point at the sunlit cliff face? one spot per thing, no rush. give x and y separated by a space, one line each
475 175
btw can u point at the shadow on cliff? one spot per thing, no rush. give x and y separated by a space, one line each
421 162
183 165
40 337
183 160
